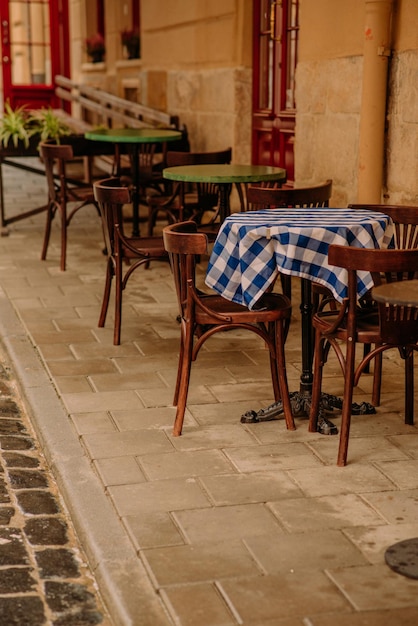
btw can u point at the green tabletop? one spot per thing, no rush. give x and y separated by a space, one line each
220 173
133 135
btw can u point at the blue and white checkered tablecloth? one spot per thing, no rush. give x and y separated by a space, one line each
252 247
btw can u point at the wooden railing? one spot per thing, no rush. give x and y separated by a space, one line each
97 108
109 109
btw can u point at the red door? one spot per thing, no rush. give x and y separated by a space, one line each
275 34
34 46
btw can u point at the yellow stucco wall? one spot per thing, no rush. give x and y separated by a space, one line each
405 25
191 34
196 62
335 28
330 29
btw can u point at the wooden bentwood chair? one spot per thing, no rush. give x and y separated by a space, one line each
204 315
122 251
351 325
266 196
180 204
61 193
405 221
269 197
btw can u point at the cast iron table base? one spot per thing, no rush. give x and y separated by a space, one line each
402 557
301 404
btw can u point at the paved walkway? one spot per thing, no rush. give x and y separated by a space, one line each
228 524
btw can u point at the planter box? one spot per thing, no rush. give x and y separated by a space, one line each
20 150
82 147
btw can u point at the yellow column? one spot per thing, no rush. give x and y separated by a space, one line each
377 41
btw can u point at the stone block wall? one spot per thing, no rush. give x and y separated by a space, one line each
401 174
214 104
328 96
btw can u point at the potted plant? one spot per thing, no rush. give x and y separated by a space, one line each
47 125
130 40
21 129
95 47
15 127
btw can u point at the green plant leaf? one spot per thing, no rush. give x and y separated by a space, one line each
15 126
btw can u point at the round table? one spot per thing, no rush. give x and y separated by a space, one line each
225 175
134 137
404 293
402 557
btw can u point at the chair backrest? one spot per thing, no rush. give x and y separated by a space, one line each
52 154
110 195
175 158
208 193
405 219
183 244
53 151
262 197
385 265
398 324
146 154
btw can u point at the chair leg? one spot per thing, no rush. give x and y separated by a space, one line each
180 361
49 217
152 218
282 376
106 294
409 388
185 366
318 365
64 224
366 349
273 332
377 379
118 300
347 403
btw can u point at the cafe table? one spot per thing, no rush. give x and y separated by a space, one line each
250 250
225 175
404 293
401 557
133 137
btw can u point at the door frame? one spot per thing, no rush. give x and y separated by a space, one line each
37 95
275 34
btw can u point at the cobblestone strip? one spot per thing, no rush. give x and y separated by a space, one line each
44 578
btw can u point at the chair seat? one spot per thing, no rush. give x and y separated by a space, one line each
272 307
147 246
80 194
367 329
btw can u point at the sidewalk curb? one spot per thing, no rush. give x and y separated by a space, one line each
122 579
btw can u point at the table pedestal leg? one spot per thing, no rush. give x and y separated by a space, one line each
402 558
300 401
224 207
135 191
